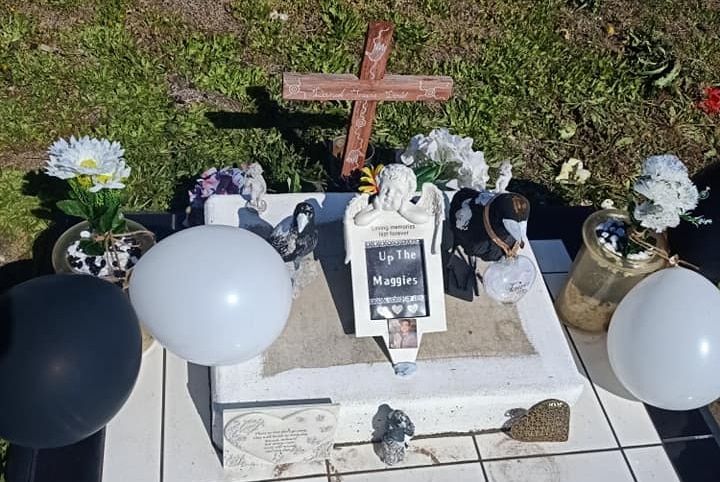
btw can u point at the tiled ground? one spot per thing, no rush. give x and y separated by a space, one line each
612 437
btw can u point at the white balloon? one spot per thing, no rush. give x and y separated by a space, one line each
664 340
213 295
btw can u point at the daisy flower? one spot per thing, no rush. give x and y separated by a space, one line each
87 157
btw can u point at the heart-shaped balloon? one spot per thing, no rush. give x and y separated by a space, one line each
509 279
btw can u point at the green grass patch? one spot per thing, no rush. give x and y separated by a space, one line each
22 216
535 83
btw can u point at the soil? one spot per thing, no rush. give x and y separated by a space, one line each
12 249
185 95
213 16
147 339
715 410
50 18
24 161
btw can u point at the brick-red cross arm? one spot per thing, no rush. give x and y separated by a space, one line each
366 90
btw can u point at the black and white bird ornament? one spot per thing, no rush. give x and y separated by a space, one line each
488 225
507 215
297 236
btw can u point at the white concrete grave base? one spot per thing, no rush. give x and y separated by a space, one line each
449 394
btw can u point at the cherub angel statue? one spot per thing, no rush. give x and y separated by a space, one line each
256 187
396 187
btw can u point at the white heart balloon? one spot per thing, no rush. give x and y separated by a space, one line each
509 279
213 295
664 340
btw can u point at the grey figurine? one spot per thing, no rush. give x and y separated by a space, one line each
399 431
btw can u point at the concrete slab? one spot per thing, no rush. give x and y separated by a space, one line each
492 358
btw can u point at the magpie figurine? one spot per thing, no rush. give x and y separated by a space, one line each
296 237
488 225
398 432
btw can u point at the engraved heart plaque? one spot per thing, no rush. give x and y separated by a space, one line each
275 437
546 421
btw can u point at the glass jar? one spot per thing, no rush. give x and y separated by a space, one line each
61 264
599 278
60 261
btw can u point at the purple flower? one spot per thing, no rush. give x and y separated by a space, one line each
229 180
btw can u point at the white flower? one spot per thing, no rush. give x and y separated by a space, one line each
111 180
668 190
607 204
441 147
653 216
413 150
667 167
473 173
86 157
573 172
275 15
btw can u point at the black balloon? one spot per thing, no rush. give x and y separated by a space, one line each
70 352
699 244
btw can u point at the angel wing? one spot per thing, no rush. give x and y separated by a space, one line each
356 204
432 201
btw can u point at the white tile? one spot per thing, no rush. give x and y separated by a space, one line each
627 415
551 255
554 283
589 430
446 473
651 464
189 454
132 443
431 451
588 467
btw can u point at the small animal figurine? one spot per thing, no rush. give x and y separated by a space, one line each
491 230
256 187
504 177
398 432
296 237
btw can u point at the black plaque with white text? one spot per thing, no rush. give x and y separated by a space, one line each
396 279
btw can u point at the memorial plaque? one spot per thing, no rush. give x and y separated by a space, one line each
278 435
396 279
392 242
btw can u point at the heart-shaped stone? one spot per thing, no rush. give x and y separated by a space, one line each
412 308
299 437
546 421
397 309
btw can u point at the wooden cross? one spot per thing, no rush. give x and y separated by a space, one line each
365 92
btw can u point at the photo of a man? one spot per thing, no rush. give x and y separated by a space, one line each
403 333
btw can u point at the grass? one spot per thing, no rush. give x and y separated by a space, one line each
606 81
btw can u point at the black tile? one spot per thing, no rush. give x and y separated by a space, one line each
81 462
695 460
559 222
162 224
673 424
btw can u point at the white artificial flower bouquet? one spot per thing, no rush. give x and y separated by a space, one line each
96 172
668 195
663 196
441 157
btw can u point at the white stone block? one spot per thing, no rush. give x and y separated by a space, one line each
447 394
